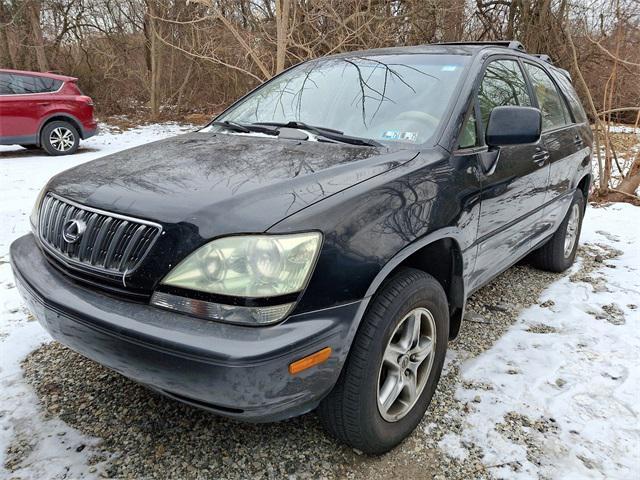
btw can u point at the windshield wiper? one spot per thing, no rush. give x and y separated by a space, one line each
301 125
325 132
244 128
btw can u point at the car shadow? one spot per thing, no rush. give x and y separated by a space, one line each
162 435
26 153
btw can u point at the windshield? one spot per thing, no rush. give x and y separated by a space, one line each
396 98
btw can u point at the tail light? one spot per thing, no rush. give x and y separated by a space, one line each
75 90
87 100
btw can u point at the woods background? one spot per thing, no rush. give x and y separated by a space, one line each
170 58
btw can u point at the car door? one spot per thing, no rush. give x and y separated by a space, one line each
23 101
562 141
9 121
513 189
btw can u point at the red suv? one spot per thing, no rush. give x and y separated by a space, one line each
44 110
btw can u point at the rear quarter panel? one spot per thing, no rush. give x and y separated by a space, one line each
69 106
68 102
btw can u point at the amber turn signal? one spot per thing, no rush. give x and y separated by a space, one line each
309 361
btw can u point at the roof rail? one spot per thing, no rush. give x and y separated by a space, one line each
498 43
563 72
543 57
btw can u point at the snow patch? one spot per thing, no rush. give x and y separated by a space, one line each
451 444
580 375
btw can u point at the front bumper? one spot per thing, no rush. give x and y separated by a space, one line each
236 371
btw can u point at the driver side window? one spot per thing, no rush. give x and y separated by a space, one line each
503 84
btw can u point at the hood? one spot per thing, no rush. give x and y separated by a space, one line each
221 183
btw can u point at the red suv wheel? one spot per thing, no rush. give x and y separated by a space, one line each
59 138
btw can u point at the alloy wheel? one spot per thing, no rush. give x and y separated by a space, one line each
62 139
406 364
572 230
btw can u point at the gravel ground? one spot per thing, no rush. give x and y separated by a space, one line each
145 435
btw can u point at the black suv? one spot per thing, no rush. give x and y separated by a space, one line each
314 245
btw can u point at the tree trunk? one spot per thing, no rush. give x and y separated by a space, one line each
282 33
454 20
631 182
33 11
154 61
6 53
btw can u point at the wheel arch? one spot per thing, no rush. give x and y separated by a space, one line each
64 117
438 254
584 185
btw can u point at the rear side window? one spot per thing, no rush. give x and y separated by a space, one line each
44 84
554 110
571 95
503 84
5 83
12 84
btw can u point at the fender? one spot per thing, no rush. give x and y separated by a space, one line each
453 233
582 172
63 114
448 232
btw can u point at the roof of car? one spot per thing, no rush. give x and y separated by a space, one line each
431 48
55 76
452 48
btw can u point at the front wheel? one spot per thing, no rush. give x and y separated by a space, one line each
559 252
393 367
59 138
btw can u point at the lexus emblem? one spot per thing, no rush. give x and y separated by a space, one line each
73 230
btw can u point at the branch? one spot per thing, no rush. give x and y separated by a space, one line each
234 31
621 109
614 57
210 59
630 195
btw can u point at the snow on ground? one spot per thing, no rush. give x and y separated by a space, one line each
624 129
569 372
571 369
624 157
22 427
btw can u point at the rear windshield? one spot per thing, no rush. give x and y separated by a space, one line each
395 98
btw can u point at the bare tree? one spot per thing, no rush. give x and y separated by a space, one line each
177 56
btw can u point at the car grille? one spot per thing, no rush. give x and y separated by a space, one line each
107 243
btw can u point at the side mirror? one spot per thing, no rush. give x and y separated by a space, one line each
513 126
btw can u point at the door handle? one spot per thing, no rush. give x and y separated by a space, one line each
541 156
44 104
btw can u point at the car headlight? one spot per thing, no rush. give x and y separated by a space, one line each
248 272
35 211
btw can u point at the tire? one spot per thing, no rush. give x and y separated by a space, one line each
352 412
559 252
59 138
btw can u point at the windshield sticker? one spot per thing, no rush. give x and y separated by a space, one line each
448 68
398 135
391 135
